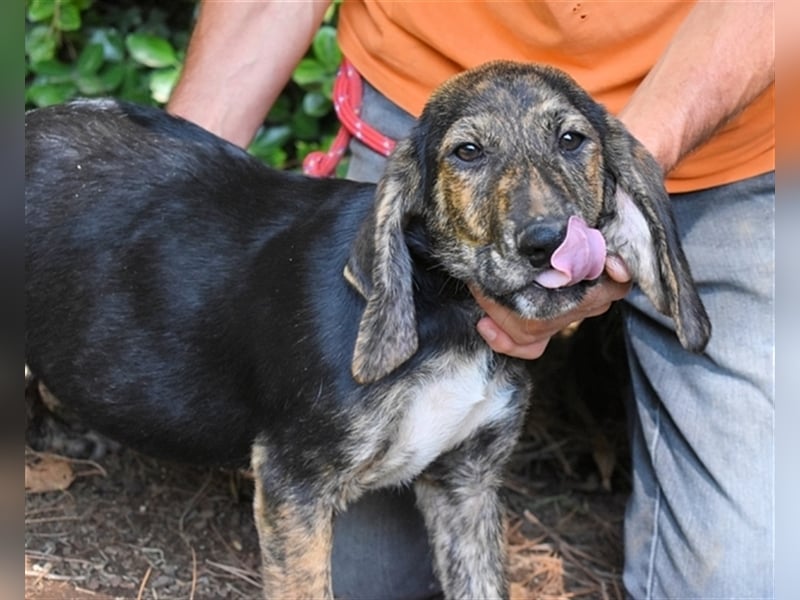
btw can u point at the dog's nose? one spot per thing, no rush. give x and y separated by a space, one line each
539 238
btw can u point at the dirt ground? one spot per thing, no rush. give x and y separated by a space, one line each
129 526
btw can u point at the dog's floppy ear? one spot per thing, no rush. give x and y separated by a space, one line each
380 269
644 234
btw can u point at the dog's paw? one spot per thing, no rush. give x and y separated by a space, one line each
49 430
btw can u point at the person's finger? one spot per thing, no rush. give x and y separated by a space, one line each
599 297
509 333
521 331
499 341
616 269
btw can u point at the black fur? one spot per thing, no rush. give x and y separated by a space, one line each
177 287
191 302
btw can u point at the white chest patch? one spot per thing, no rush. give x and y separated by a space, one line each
443 410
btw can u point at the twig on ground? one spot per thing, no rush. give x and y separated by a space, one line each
231 550
53 519
53 577
193 501
42 556
247 575
142 585
194 574
85 591
189 506
573 555
96 468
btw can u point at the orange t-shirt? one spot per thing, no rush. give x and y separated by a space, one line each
407 48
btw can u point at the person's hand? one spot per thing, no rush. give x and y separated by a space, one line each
508 333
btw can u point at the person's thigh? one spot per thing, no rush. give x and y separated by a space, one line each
699 521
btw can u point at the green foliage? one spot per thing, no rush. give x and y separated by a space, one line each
134 50
302 120
94 48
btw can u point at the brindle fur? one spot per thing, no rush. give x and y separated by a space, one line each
194 303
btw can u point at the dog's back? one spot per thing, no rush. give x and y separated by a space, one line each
183 298
155 245
193 302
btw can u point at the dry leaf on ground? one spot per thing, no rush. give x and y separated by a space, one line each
48 473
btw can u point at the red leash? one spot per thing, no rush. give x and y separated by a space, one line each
347 94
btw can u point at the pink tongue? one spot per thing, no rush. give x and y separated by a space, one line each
580 256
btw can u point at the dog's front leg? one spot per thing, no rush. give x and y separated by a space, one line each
294 531
458 497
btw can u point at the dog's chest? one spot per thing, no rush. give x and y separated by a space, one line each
441 410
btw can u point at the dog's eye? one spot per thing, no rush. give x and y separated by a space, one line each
468 152
571 141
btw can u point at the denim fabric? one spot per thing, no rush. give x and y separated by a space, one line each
699 523
380 550
386 117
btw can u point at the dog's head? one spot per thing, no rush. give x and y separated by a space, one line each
500 159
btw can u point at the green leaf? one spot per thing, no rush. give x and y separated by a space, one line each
268 144
309 71
304 126
275 157
46 94
281 110
53 70
111 41
68 17
91 85
40 45
327 88
271 137
150 50
342 168
303 149
112 76
326 49
90 59
41 10
135 85
316 104
162 82
331 12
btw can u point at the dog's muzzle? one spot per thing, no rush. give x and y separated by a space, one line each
539 238
564 255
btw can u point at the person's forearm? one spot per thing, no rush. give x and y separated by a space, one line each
721 58
240 57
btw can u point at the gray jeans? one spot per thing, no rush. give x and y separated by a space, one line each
699 520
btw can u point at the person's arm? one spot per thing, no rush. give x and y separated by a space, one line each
240 57
720 59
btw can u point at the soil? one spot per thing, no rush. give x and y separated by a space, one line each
130 526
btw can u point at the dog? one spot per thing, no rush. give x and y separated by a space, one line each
195 304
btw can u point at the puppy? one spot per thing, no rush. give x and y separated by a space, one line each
193 303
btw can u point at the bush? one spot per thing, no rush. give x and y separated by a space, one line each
134 50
